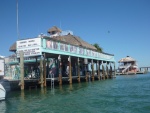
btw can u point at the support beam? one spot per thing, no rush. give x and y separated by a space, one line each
103 71
114 69
44 71
70 70
110 70
22 69
86 69
60 69
98 69
92 70
41 72
86 76
107 71
78 69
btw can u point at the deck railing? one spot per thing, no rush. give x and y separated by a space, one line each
57 46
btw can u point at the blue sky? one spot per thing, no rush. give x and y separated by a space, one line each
121 27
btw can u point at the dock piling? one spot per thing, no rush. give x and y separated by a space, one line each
114 70
92 70
22 70
78 66
98 69
70 70
44 71
103 71
60 69
41 72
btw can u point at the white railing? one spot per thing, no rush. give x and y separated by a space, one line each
127 67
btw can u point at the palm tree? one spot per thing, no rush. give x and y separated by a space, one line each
99 49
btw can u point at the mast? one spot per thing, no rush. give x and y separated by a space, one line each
17 19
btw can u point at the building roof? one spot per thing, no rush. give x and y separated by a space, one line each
74 40
13 47
127 59
70 39
54 28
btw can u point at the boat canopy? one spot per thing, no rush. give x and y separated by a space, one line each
127 59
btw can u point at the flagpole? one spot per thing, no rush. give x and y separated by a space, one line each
17 21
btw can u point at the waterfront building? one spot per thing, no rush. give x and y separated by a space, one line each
44 56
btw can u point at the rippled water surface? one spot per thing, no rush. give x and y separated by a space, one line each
124 94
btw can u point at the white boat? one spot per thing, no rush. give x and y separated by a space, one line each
2 92
128 65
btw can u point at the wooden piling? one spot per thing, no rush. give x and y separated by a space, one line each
70 70
107 70
103 72
22 70
98 70
44 72
114 69
60 69
78 69
110 71
93 71
41 72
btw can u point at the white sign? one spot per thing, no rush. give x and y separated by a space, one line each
30 52
28 43
1 67
30 47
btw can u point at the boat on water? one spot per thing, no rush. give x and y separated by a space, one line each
2 92
4 88
128 65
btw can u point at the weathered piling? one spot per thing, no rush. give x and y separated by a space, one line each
107 73
41 72
98 70
114 69
70 70
60 69
110 71
22 70
93 71
103 72
44 71
78 69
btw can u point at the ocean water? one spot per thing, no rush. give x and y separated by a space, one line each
124 94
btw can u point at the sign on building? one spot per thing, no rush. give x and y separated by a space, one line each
30 47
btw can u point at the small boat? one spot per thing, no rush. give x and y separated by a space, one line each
4 88
2 92
128 65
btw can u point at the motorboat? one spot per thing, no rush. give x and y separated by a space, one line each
2 92
128 65
4 88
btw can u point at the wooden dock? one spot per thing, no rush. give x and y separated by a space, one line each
35 83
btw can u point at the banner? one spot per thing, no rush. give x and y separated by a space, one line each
30 47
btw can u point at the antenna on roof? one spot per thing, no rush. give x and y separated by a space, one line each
17 21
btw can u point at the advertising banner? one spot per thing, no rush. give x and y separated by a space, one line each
30 47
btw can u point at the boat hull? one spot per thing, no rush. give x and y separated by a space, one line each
2 92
